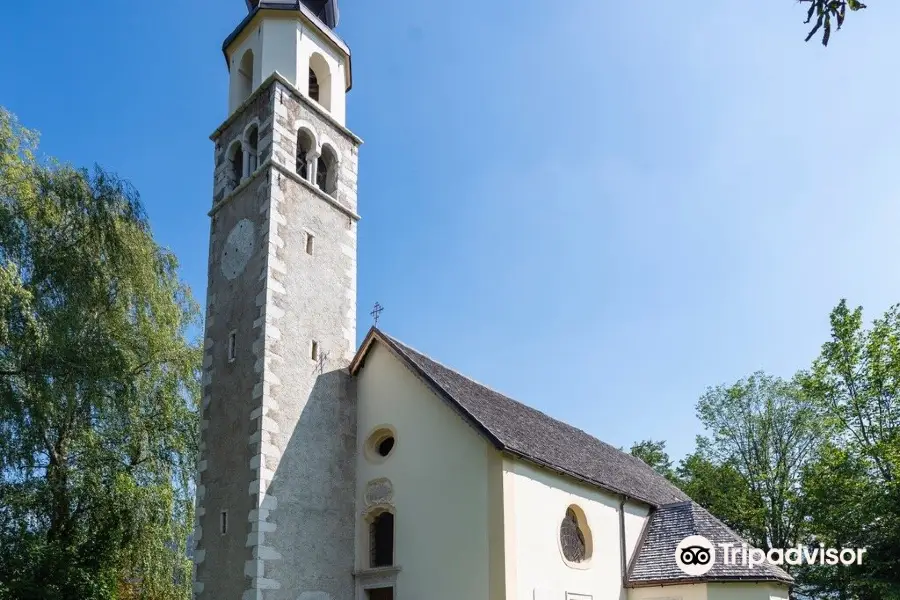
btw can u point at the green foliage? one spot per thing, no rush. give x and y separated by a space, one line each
655 455
853 497
856 383
813 460
98 388
726 493
767 430
824 12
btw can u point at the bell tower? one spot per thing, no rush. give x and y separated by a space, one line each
275 491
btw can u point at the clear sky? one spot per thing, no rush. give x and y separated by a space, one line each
599 208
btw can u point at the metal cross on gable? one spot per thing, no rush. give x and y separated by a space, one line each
376 312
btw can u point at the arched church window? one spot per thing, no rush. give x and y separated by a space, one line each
381 540
326 171
320 80
235 165
252 145
245 76
574 536
305 145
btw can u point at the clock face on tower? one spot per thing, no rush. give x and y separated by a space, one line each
238 249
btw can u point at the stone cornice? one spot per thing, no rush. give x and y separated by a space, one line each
290 174
307 102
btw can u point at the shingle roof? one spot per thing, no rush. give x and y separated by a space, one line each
521 430
654 563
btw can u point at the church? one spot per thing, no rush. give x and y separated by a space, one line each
329 471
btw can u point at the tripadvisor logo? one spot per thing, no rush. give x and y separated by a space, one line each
696 555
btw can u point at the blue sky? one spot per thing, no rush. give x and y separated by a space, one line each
599 210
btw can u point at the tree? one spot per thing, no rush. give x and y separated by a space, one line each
724 491
840 506
854 492
655 455
98 387
768 431
822 13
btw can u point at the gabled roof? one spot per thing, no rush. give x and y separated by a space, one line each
654 563
530 434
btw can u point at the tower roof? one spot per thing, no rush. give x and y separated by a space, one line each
325 10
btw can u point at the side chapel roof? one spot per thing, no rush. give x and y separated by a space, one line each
654 562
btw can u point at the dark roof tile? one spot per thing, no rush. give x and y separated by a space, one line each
655 564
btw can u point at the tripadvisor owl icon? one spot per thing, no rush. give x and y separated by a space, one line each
695 555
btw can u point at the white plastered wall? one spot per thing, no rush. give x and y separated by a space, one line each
309 41
672 592
279 42
285 43
439 485
746 591
252 40
535 502
635 520
712 591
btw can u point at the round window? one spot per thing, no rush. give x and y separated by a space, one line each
381 443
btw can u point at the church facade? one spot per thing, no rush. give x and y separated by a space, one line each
331 472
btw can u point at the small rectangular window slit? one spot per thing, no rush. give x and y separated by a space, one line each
232 340
223 522
314 350
309 243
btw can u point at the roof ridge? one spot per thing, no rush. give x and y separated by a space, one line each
674 504
448 367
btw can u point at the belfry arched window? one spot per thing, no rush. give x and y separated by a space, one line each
313 85
245 76
320 80
305 145
235 158
326 170
252 145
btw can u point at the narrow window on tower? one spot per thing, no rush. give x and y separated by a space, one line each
326 170
314 350
223 522
252 144
232 341
313 86
305 145
320 80
309 243
235 164
245 77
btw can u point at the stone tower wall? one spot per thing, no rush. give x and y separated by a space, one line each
279 427
314 426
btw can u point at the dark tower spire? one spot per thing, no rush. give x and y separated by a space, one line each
325 10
